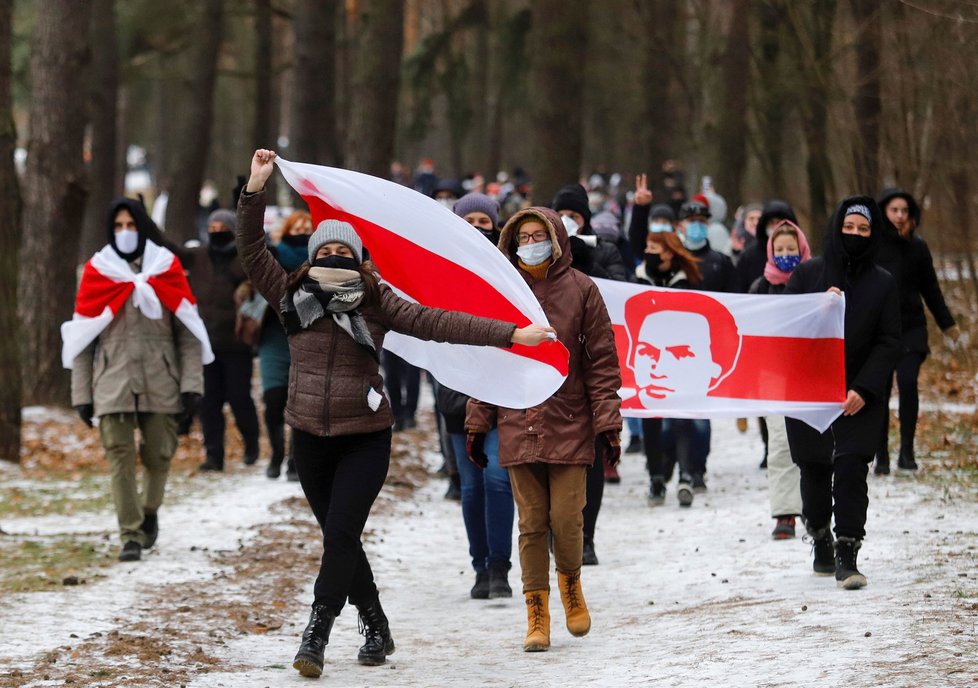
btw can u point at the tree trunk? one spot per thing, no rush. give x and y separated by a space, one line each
313 131
194 74
10 390
866 103
262 134
104 180
557 83
374 86
732 144
54 193
661 17
772 103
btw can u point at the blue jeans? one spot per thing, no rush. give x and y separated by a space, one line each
487 504
634 427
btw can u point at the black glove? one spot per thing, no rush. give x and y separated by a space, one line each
190 401
475 447
609 447
85 412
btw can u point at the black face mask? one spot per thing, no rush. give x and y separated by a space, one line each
340 262
855 245
220 239
653 262
296 240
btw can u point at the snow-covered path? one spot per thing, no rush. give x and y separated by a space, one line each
682 597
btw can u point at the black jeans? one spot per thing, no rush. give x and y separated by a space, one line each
594 493
655 461
228 379
907 371
403 383
341 477
839 488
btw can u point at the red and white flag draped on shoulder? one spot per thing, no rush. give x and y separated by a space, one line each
428 254
107 283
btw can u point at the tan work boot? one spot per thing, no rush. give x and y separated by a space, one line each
575 608
537 621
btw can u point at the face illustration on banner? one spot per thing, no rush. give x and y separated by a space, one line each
680 344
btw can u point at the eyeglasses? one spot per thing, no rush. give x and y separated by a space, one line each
536 236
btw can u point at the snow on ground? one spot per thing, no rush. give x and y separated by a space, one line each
682 597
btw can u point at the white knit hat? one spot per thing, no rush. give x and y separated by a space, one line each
340 232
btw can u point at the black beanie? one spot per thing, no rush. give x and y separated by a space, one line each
573 197
661 210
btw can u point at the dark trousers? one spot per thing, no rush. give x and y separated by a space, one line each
275 400
341 477
403 383
228 380
652 444
594 493
685 441
906 373
837 488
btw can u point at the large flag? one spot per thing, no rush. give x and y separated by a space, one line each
692 354
107 283
428 254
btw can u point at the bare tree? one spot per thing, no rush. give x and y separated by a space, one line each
557 81
54 193
105 180
10 390
374 86
866 102
732 142
771 102
314 112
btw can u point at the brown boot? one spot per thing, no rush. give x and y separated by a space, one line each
575 608
537 621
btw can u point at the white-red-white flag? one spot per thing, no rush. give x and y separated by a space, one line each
428 254
694 354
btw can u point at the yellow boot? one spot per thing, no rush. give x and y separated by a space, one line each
575 608
537 621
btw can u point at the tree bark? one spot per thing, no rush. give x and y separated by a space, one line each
773 104
559 35
105 183
374 87
732 144
54 193
10 390
313 127
866 102
195 74
261 136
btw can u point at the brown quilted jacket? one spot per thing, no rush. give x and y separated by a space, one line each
561 429
331 375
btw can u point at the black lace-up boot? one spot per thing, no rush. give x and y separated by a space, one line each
823 550
377 633
846 574
309 659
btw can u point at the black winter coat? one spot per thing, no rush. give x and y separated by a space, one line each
717 270
750 266
872 339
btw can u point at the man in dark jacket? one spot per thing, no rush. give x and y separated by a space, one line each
834 464
591 254
904 254
215 273
754 256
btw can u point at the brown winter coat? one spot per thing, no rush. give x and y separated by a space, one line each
561 429
331 375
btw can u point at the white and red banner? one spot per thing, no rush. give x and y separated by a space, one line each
683 354
107 283
692 354
428 254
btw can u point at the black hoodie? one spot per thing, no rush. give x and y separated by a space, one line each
754 256
909 260
872 319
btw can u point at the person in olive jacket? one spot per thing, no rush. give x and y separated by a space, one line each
834 464
904 254
336 314
548 448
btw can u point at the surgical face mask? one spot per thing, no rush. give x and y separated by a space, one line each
127 240
653 263
656 227
696 233
447 202
569 224
787 263
535 253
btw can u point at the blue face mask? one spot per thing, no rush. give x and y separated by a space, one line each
656 227
696 233
787 263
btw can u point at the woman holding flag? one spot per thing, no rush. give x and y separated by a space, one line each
336 313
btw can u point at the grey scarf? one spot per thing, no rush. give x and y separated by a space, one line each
329 290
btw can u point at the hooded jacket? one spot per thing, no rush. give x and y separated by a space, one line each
596 257
750 266
562 429
909 260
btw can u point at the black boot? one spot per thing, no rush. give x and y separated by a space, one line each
480 591
823 550
906 461
499 580
882 465
377 633
151 528
276 437
846 574
589 558
309 659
